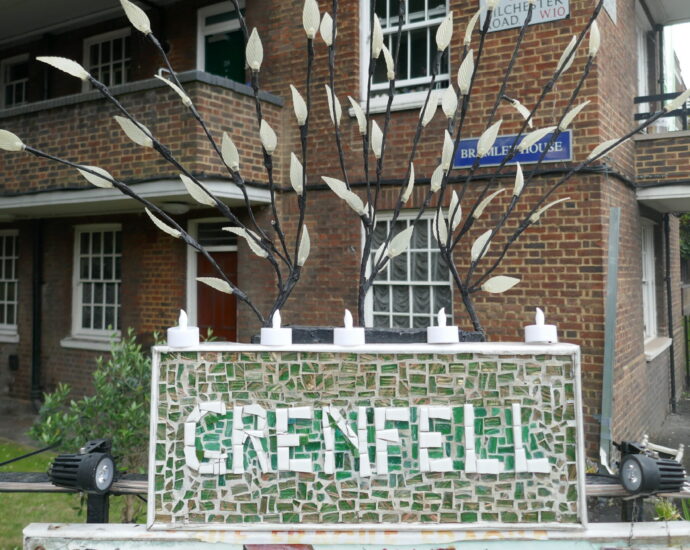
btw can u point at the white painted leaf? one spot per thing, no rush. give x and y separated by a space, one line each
164 227
594 39
482 205
533 137
470 28
231 157
311 17
376 139
304 247
410 185
400 243
524 111
449 102
534 218
215 283
599 149
440 229
268 137
184 97
519 181
447 153
678 102
390 65
465 73
487 139
499 284
444 32
254 51
454 211
340 189
564 63
251 238
66 66
491 4
568 118
334 108
10 142
429 110
359 114
436 179
99 181
380 253
138 133
136 16
299 106
326 29
296 174
482 243
376 38
196 192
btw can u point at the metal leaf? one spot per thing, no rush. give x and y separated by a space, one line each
103 180
534 218
340 189
311 17
299 106
251 238
454 211
66 66
519 181
390 65
334 108
447 153
218 284
380 253
567 59
568 118
268 137
359 114
296 174
326 29
400 243
599 149
436 179
410 185
164 227
440 229
465 73
487 139
470 28
429 110
480 246
524 111
594 39
198 194
444 32
10 142
376 38
482 205
230 155
376 139
678 102
449 102
254 51
136 16
499 284
138 133
184 97
533 137
304 247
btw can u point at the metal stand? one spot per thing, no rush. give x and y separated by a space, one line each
97 508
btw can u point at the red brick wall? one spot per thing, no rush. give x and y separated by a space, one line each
662 157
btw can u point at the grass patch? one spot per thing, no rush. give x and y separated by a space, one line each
20 509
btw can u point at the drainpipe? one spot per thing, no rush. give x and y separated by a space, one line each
669 309
36 311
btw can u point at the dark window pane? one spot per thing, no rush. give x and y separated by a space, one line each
420 297
221 17
117 49
86 293
212 234
381 298
380 10
108 268
398 267
84 268
118 242
401 69
105 52
381 321
439 269
420 322
418 59
401 299
420 266
225 55
401 321
84 243
95 268
118 274
108 242
110 293
12 292
416 10
98 318
86 317
93 55
379 235
10 318
98 293
109 317
442 298
437 8
420 235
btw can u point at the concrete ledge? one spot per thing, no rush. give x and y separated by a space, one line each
655 347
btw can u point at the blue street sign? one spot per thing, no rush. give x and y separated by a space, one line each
561 150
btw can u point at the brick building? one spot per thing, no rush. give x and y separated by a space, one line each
78 259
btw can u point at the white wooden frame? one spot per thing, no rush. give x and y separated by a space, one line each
203 30
649 311
104 37
4 64
8 331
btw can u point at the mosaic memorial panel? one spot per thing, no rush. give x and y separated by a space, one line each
247 435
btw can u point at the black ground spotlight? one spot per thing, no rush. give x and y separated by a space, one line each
645 471
92 470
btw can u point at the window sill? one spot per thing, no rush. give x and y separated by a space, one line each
92 344
401 102
655 347
9 337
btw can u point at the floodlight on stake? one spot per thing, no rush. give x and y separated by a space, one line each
648 472
92 470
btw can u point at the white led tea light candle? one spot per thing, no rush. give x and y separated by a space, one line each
539 333
183 336
276 336
348 335
442 334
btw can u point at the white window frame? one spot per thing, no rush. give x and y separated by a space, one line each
192 283
648 280
4 64
203 30
104 37
369 299
401 101
8 331
81 337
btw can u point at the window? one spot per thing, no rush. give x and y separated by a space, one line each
417 47
8 284
15 78
648 280
97 280
108 58
220 43
414 285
